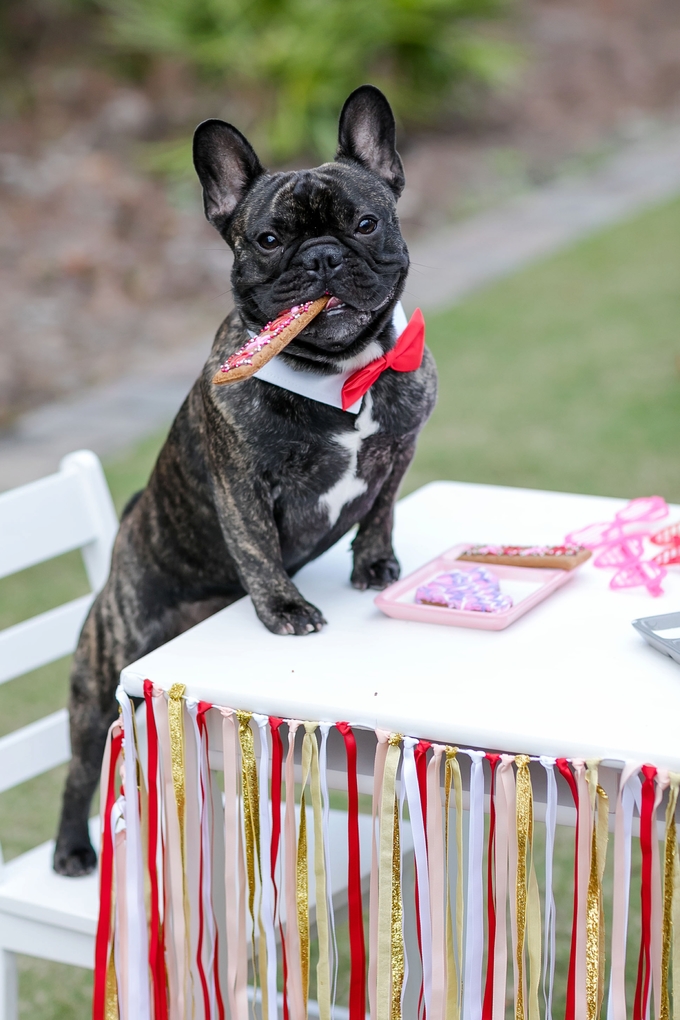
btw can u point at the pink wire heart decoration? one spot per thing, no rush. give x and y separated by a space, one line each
647 573
621 544
668 557
668 536
593 536
629 551
645 508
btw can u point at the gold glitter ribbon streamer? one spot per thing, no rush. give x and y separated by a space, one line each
599 803
670 865
111 1011
176 729
398 958
176 726
525 835
251 822
323 970
390 962
454 984
302 892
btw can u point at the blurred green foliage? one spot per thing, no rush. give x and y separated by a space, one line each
293 62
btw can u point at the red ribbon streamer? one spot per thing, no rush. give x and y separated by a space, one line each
570 1008
357 984
277 770
647 841
101 952
405 356
487 1006
156 934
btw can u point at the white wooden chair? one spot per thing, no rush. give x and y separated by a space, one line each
41 913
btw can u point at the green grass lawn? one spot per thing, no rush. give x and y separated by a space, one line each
564 376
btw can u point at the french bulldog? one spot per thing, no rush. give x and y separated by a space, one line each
255 480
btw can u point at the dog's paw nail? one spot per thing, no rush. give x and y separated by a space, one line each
311 627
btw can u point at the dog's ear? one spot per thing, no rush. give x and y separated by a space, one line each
226 165
368 134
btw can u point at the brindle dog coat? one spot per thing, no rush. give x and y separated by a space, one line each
255 481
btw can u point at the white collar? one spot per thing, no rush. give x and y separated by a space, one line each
325 389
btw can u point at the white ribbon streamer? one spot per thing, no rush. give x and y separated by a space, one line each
474 936
120 933
550 916
415 810
630 794
138 950
267 890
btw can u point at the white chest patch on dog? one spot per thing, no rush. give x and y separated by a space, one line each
349 485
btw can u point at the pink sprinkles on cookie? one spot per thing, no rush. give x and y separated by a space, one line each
524 550
244 355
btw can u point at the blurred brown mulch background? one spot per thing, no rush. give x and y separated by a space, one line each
106 265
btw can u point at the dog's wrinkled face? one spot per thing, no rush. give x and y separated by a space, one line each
332 230
299 235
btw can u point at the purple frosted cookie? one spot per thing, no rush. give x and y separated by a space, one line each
474 590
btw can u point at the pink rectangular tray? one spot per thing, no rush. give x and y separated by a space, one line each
527 585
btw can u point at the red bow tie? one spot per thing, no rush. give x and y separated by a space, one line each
405 356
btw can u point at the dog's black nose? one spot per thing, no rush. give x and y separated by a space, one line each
322 259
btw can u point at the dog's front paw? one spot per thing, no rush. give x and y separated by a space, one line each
74 861
376 574
290 616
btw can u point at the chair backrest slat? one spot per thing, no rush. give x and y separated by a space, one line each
36 748
42 520
42 639
71 509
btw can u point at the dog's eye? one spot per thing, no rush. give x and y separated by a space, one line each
367 225
268 242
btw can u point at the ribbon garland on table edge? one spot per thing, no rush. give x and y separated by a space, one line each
182 936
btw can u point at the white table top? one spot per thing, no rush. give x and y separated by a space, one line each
570 678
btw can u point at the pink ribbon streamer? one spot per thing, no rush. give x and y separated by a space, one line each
584 849
663 781
629 786
474 938
295 990
506 873
548 976
267 887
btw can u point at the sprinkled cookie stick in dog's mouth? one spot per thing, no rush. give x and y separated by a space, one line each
266 345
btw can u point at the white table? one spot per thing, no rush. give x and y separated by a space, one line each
570 678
